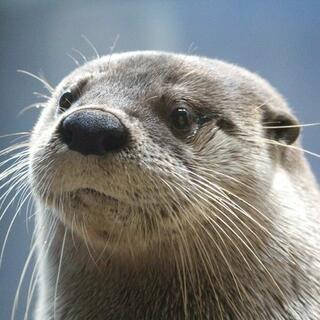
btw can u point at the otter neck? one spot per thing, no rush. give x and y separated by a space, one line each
160 290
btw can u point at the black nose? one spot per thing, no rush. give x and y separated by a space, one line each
93 132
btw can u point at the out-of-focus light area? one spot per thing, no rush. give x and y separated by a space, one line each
280 40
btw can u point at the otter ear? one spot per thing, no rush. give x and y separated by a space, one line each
280 126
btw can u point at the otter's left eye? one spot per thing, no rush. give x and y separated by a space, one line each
181 119
66 100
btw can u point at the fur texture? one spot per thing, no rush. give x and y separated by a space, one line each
219 222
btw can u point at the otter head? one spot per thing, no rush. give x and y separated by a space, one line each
143 149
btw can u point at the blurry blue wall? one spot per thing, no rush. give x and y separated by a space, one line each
280 40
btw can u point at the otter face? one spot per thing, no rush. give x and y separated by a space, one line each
143 147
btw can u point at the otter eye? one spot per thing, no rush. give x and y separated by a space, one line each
181 119
66 100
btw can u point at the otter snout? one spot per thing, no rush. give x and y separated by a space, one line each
93 132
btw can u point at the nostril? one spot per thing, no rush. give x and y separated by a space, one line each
115 139
66 135
93 132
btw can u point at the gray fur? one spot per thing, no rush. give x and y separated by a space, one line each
158 246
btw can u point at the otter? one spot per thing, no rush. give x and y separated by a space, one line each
171 186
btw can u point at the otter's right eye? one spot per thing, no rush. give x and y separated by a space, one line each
181 119
66 100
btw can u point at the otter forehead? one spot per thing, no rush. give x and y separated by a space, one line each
138 75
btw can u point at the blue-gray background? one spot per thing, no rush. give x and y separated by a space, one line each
280 40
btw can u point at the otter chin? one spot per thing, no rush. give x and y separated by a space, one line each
172 187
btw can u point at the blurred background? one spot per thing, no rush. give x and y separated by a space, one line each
280 40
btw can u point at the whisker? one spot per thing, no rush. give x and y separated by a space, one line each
91 45
77 63
7 193
10 227
202 246
276 143
292 126
249 248
44 82
80 54
58 274
264 104
37 105
43 252
111 50
15 134
22 276
40 95
14 147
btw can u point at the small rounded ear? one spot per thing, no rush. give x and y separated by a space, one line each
281 126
